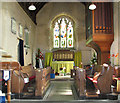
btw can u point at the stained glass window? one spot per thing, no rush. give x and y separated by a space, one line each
69 35
56 36
63 33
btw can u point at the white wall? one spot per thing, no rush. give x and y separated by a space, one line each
0 30
44 34
115 48
9 40
40 35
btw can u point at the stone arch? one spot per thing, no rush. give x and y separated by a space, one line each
52 23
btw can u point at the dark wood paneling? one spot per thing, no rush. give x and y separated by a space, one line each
103 15
102 33
32 14
63 55
38 5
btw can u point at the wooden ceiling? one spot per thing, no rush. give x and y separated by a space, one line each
38 5
32 14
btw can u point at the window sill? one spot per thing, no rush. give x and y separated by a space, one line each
54 49
26 46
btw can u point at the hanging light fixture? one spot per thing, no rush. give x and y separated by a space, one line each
92 6
32 7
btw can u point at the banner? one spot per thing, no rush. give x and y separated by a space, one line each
6 75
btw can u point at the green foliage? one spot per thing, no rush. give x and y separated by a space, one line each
94 59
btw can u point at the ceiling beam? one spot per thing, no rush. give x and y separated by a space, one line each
38 5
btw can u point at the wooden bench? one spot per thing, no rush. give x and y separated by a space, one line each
18 75
103 79
80 82
30 71
42 81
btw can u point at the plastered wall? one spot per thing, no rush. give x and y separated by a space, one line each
43 30
115 47
9 41
0 29
40 35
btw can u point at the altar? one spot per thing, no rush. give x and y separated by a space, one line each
56 65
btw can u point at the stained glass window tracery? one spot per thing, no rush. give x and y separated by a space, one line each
56 36
63 33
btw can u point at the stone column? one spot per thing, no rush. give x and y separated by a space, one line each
119 32
115 48
0 29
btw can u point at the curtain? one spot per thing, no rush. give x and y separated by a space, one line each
48 59
21 52
78 59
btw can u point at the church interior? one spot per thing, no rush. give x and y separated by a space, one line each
59 52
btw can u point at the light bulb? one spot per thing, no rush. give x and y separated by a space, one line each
32 7
92 7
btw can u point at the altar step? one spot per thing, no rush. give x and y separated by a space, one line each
62 78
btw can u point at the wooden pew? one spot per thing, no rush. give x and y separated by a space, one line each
42 81
103 80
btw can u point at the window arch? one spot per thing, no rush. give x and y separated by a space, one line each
63 33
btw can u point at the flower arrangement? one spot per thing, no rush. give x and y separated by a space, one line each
39 55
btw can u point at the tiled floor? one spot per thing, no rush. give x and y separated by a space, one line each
61 91
62 78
